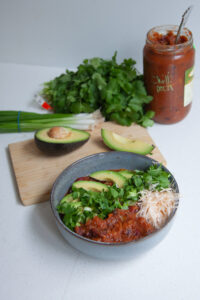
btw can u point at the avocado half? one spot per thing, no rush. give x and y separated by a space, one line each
60 140
117 142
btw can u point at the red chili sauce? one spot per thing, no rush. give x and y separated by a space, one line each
168 73
167 39
122 225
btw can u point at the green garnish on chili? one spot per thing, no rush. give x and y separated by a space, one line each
88 204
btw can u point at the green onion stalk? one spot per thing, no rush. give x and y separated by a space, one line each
21 121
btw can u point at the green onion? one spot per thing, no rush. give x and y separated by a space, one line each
14 121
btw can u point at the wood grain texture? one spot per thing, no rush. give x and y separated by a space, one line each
36 172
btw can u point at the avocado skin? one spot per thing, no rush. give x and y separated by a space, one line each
58 149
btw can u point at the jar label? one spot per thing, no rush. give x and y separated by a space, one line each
163 82
188 87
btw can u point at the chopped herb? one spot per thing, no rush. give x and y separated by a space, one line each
87 204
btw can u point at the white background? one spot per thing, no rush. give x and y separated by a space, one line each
38 40
64 32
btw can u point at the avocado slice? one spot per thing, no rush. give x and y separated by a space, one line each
115 177
68 198
117 142
59 140
126 173
90 186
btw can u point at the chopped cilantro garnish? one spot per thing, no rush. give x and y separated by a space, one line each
87 204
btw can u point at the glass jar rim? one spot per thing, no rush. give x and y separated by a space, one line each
163 29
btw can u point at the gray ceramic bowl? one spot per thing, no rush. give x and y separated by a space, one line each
97 162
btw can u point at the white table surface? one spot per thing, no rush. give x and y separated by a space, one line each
36 262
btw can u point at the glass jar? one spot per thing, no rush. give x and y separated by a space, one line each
168 73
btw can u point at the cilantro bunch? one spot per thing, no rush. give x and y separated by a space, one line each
87 204
117 89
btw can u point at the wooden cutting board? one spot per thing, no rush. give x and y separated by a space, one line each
36 172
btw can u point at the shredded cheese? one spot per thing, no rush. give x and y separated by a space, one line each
157 206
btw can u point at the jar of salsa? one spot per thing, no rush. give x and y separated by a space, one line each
168 72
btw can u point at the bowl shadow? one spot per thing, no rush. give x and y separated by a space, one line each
43 225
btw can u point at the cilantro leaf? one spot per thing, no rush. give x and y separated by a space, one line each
116 89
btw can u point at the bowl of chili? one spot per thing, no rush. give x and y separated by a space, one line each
124 232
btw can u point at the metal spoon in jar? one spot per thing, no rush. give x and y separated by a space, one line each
184 19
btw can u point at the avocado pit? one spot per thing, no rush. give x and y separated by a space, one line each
59 132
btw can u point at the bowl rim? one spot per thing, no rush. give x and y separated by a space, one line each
58 219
